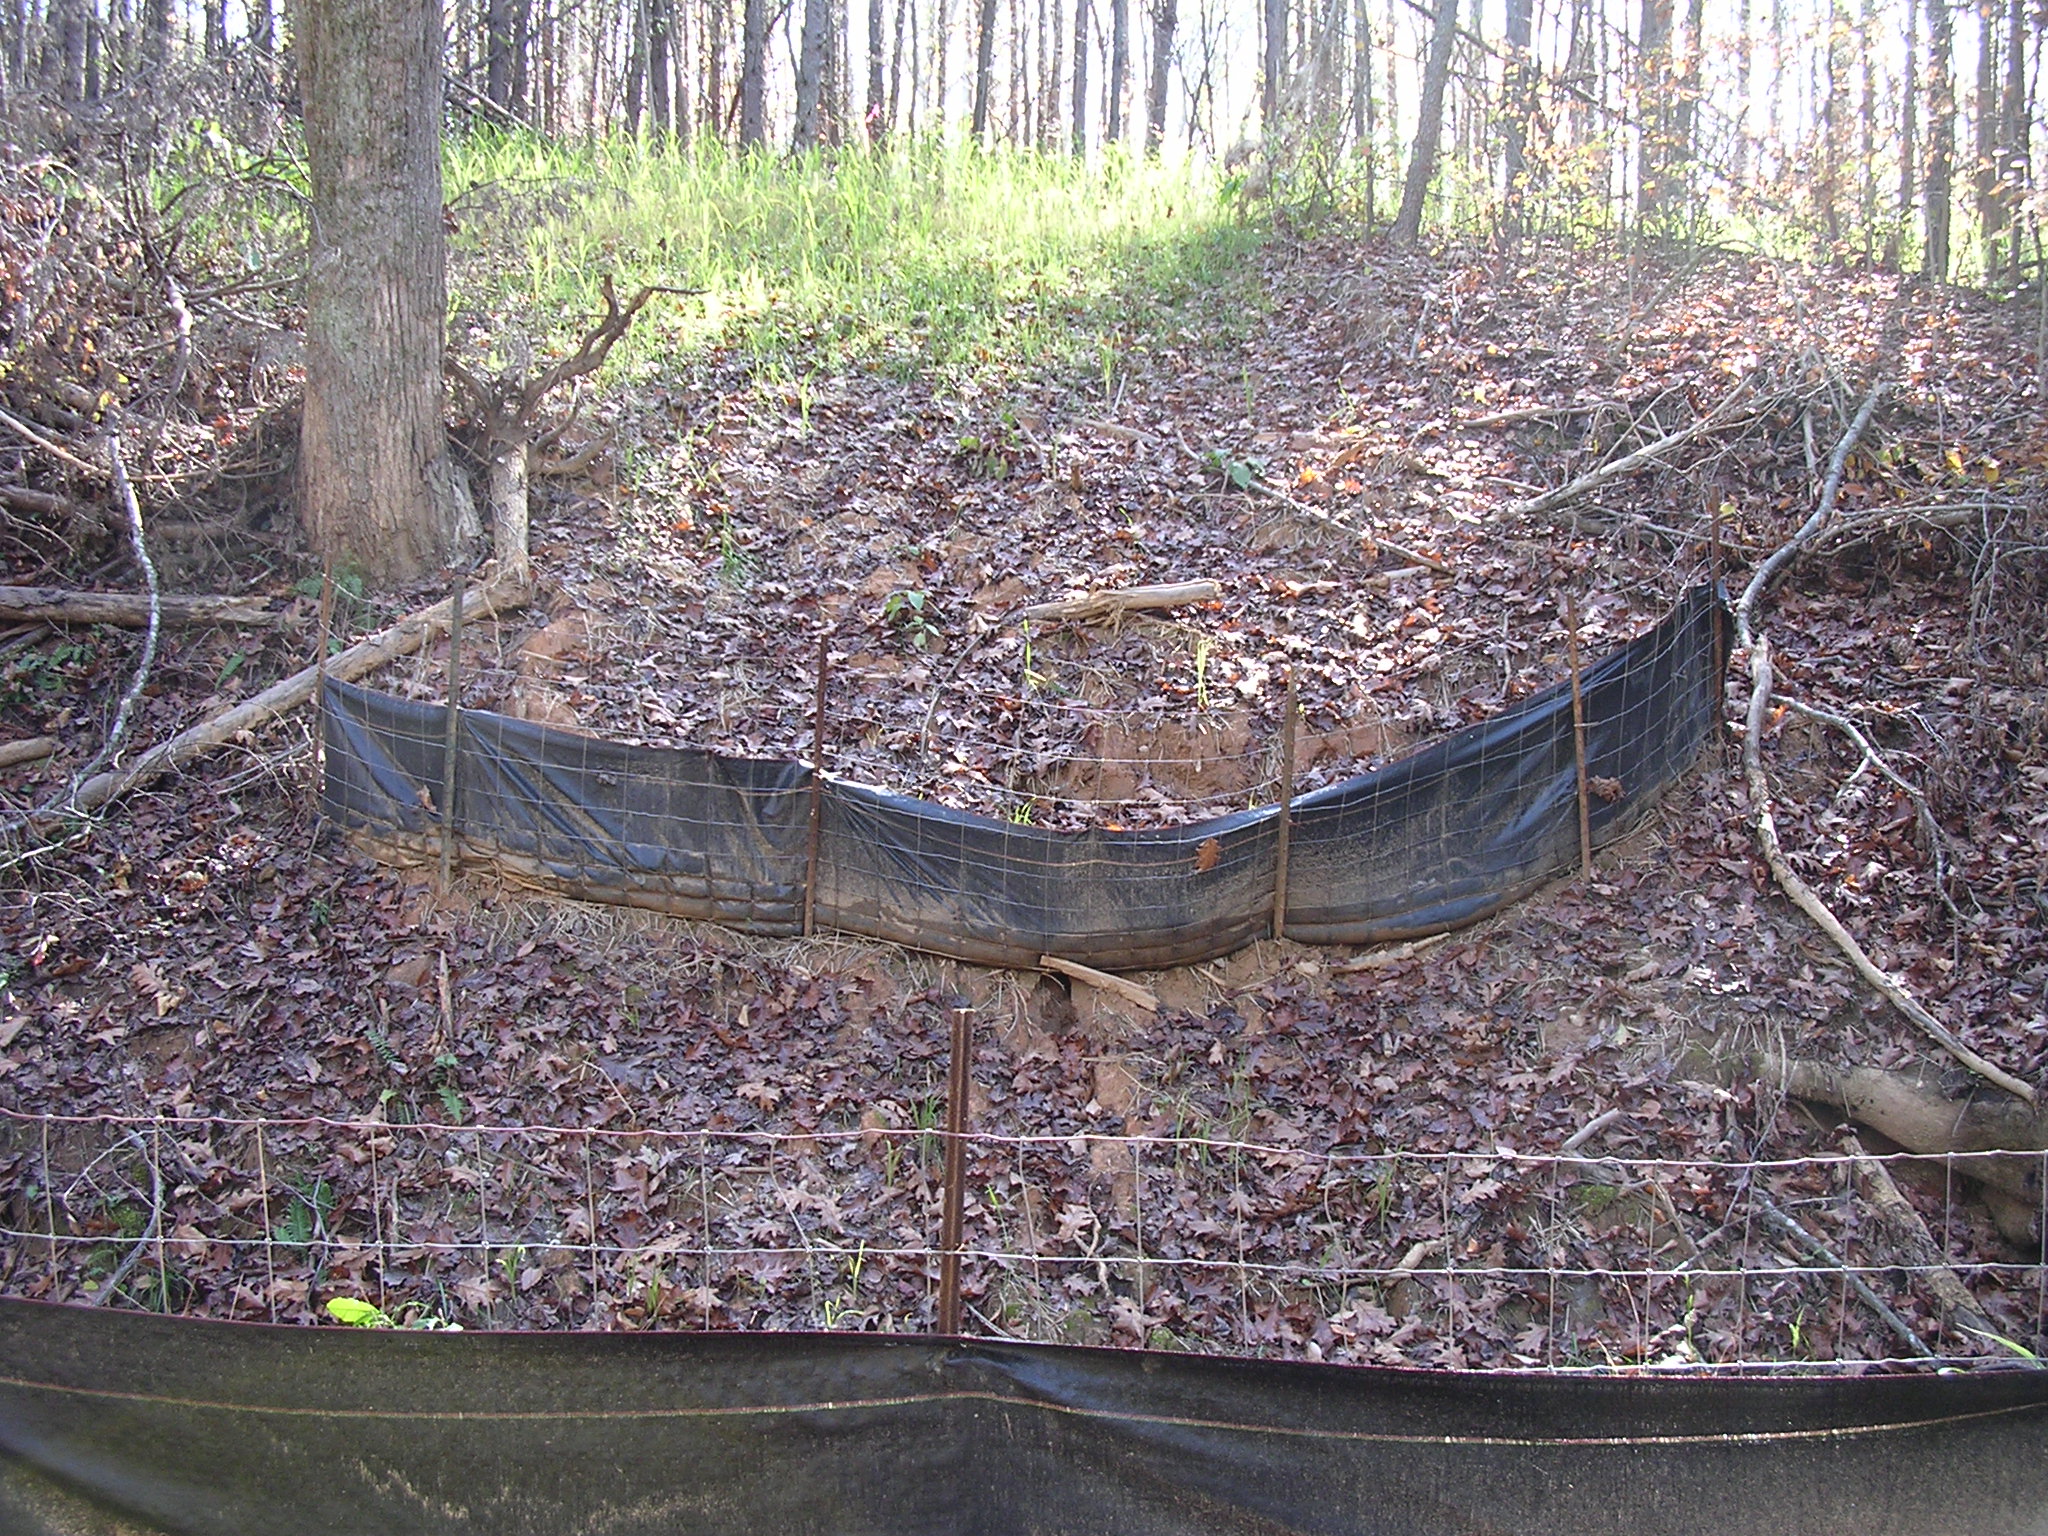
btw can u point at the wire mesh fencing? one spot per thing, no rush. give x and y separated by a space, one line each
1503 1258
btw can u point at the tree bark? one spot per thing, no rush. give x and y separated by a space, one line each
1429 127
753 74
1653 90
1080 78
1274 73
1941 137
1119 70
1164 18
378 488
876 114
1517 89
984 61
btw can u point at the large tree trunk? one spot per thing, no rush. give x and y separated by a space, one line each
1119 70
1270 97
876 115
1517 90
378 488
1653 87
1163 21
753 74
1429 129
659 106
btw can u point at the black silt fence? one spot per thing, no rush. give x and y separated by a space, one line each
1432 841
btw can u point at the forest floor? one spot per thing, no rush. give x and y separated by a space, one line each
1302 1149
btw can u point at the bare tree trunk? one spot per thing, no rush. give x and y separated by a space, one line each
1990 208
1516 88
1164 18
498 52
1941 137
1429 127
660 105
984 58
1909 132
2016 152
810 74
1080 78
906 22
1653 90
1275 72
636 68
378 489
876 114
1119 69
1055 73
753 74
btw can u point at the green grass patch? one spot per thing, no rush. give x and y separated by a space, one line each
906 259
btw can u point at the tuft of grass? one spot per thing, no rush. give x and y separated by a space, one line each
906 258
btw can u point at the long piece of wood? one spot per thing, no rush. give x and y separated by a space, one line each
1104 604
128 610
502 592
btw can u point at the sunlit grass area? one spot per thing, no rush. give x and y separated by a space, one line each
912 258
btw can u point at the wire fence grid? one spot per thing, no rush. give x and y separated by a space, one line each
1542 1261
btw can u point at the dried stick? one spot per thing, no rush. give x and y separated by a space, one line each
1820 1250
1802 894
1104 603
1722 415
128 610
1910 1231
156 1216
1131 991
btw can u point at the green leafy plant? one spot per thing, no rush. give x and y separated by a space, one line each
1238 474
357 1313
306 1217
911 613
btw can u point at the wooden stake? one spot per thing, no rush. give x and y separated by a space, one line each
954 1210
1285 830
1571 646
1714 589
453 728
817 787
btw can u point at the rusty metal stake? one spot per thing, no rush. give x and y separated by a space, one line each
1571 645
320 683
817 787
956 1172
455 597
1285 830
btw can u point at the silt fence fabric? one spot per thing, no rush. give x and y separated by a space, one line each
1432 841
141 1425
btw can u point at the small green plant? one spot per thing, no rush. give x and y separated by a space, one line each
306 1217
735 560
357 1313
1021 813
445 1067
911 612
510 1261
1238 474
835 1310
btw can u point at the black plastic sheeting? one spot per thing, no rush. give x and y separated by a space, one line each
1433 841
121 1422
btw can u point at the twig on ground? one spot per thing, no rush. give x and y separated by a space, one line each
1907 1228
113 1284
1802 894
1131 991
1104 603
1820 1250
1722 415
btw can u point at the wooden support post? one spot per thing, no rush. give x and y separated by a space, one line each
453 729
1571 646
1714 588
817 787
954 1210
1284 833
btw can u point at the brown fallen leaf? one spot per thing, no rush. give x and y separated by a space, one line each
1207 855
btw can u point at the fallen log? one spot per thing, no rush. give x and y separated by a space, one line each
1131 991
128 610
1093 607
14 753
1915 1243
502 591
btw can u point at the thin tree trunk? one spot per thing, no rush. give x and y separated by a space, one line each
1990 208
1119 70
810 74
984 59
636 68
1080 79
1429 126
1653 90
1274 74
1054 75
660 106
876 114
1164 18
1941 137
2016 151
1517 86
1909 132
753 74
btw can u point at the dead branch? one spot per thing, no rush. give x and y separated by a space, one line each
14 753
1915 1242
1785 1225
1802 894
55 450
128 610
504 590
1130 991
1094 606
1722 415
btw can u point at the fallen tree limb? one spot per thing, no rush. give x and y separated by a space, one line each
128 610
1786 1226
1803 895
1915 1242
502 591
14 753
1144 997
1912 1109
1090 607
1722 415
